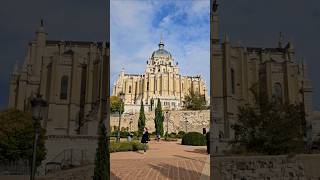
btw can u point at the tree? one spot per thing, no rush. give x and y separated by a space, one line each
158 119
194 101
17 136
271 128
142 119
116 105
101 168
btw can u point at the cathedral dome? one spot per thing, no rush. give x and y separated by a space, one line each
161 52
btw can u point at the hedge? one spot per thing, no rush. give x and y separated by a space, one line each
125 146
194 139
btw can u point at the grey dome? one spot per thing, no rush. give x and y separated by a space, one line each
161 52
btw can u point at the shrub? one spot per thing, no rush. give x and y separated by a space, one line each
194 139
123 134
125 146
173 135
180 134
170 139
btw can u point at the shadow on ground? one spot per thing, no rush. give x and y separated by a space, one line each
194 159
183 173
198 151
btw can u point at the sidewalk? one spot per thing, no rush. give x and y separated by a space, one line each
163 160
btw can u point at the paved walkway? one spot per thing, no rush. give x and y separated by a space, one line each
163 160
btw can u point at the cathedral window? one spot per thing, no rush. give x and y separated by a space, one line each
277 92
233 87
147 86
129 89
64 87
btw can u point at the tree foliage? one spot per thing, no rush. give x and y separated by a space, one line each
194 101
102 160
273 128
159 118
116 106
142 119
17 137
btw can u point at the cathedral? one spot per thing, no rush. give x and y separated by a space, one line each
236 69
161 80
67 74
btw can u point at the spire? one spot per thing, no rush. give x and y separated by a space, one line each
15 68
41 27
226 38
161 44
280 43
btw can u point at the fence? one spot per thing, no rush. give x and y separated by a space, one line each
18 167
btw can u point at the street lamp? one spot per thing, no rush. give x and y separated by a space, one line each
122 97
38 106
167 116
186 124
130 124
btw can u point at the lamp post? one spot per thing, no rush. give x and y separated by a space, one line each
38 105
167 116
186 124
122 96
130 124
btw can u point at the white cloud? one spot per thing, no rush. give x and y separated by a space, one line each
136 29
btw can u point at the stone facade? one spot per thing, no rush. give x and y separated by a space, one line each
67 74
236 69
177 121
265 167
161 80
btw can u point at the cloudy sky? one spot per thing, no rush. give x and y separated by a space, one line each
139 25
258 23
81 20
136 28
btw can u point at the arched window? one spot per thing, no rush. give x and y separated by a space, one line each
129 89
64 87
147 86
277 92
233 87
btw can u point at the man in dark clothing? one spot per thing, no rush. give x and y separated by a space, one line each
145 139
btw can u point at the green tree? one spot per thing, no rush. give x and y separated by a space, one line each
142 119
159 118
17 136
270 128
116 105
194 101
101 168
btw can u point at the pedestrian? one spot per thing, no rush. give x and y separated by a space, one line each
145 139
158 137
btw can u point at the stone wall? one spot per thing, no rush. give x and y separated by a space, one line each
80 173
177 121
266 167
77 150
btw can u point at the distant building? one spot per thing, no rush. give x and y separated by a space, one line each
236 69
67 75
161 80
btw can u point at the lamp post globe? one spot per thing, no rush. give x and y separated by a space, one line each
122 96
38 106
122 99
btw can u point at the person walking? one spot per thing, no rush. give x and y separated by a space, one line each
145 139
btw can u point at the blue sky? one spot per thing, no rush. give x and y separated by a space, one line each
136 27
